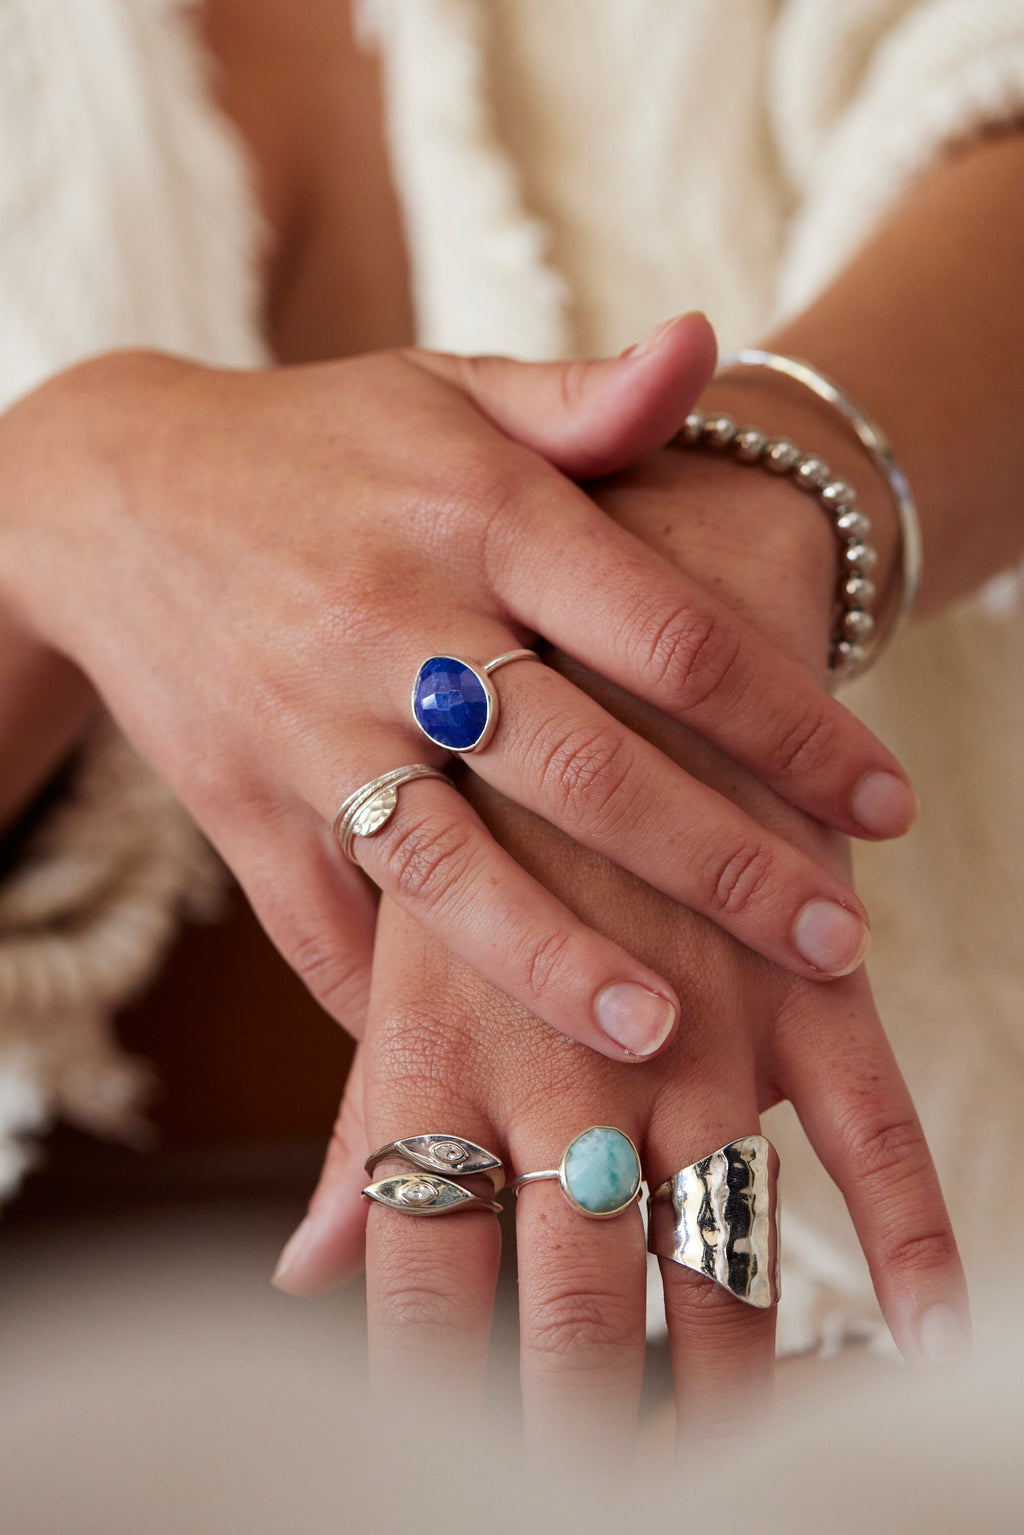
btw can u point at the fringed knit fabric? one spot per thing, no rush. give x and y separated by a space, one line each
126 220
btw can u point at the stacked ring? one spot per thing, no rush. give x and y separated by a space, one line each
599 1173
371 807
450 1155
719 1217
426 1191
454 703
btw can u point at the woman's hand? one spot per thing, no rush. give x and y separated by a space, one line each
444 1052
251 567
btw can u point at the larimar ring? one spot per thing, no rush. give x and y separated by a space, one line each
371 807
599 1173
454 702
719 1217
450 1155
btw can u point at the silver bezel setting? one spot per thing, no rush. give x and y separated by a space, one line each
599 1215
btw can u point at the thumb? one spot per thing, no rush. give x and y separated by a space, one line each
590 418
329 1246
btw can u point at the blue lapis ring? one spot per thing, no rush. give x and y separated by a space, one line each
454 702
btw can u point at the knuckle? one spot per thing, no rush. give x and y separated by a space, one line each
572 383
585 773
690 654
923 1253
742 882
410 1304
693 1299
411 1051
889 1150
546 962
426 860
809 743
423 1065
338 982
578 1328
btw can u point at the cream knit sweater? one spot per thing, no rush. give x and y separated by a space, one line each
570 175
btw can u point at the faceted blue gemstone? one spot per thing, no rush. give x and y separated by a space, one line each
601 1170
449 703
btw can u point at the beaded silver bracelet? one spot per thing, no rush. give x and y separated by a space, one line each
872 439
854 623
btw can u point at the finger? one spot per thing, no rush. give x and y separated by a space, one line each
558 753
840 1072
437 860
582 1295
723 1349
636 620
315 908
430 1281
591 417
328 1247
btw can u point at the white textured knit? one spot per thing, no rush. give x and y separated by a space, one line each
125 220
571 174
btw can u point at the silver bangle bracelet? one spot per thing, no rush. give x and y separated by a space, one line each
873 440
854 623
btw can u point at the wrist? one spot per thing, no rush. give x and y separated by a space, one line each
783 408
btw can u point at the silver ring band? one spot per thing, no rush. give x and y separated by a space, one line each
719 1217
452 1156
369 808
510 655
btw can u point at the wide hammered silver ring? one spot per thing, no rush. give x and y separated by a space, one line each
719 1217
454 703
369 808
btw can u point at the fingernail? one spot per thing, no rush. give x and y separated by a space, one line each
294 1250
637 1019
831 938
654 340
884 805
942 1337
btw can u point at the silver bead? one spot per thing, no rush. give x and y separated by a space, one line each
691 431
858 625
719 432
859 558
859 591
846 657
812 474
781 456
853 525
749 444
838 496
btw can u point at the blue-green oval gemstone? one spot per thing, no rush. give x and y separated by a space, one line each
601 1170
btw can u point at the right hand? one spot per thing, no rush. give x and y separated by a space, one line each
251 566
